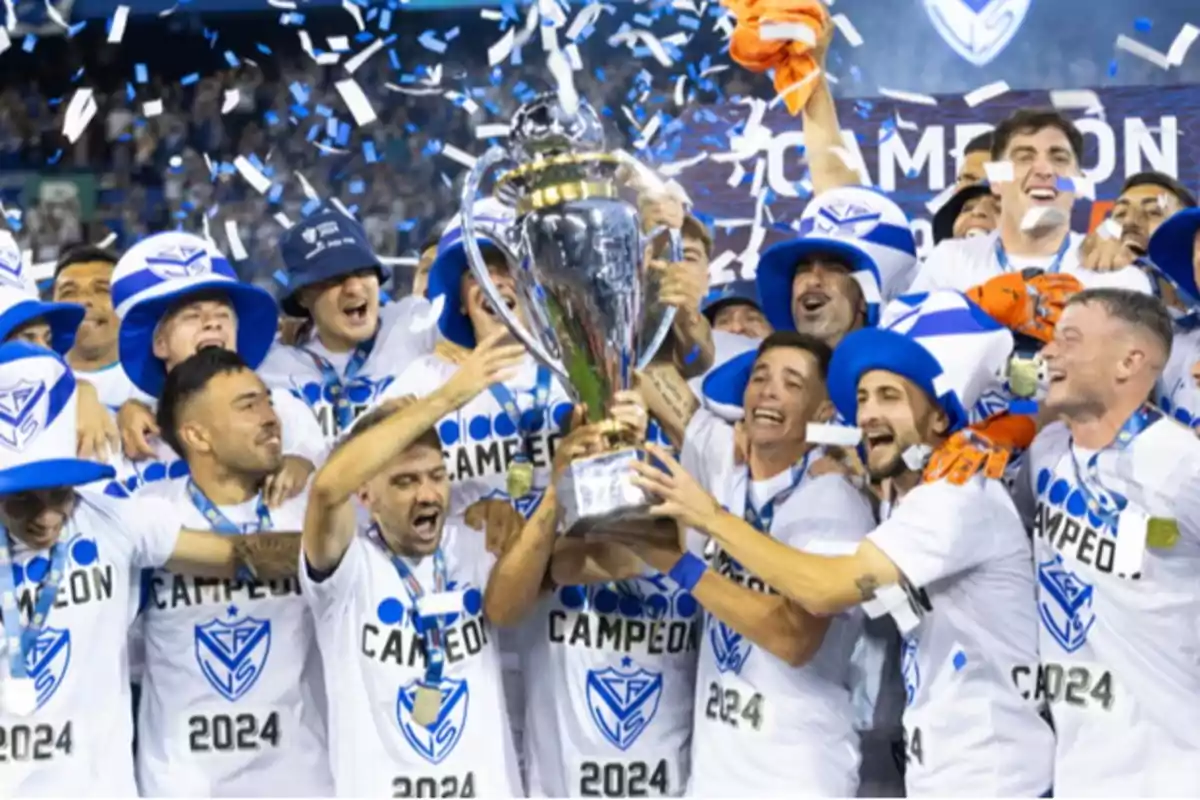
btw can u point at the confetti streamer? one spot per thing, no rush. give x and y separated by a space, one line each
231 100
358 60
909 97
80 112
1084 99
492 131
253 176
116 31
843 23
564 79
454 154
354 12
1183 42
236 248
360 107
985 93
1144 52
502 49
152 108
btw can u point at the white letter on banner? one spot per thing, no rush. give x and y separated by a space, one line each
1162 156
784 149
930 150
923 233
1106 148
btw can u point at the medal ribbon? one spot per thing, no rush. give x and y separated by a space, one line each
430 628
762 518
21 641
541 401
1098 503
221 523
336 384
1055 265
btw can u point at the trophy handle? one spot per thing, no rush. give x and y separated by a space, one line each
675 253
470 192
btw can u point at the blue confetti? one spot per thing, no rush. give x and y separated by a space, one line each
331 127
231 59
385 19
188 80
299 92
356 187
262 48
76 28
140 74
298 111
281 277
313 132
310 207
271 117
451 34
54 158
960 660
343 133
275 193
29 43
130 94
1112 68
429 41
392 57
325 111
1142 24
369 154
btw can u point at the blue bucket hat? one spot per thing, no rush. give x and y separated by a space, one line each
166 268
777 271
734 292
37 424
941 341
492 222
18 308
323 246
1171 249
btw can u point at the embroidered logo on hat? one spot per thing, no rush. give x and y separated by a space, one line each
12 265
978 30
324 236
845 219
22 413
179 260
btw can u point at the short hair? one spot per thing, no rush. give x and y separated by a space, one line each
377 415
1163 181
83 254
820 351
1143 311
693 228
186 381
1032 120
980 144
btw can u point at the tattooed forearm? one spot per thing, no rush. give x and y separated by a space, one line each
269 556
867 586
670 400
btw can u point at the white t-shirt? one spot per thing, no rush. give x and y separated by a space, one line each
232 694
610 674
1119 649
960 264
1178 394
113 386
966 557
407 329
762 727
372 666
78 741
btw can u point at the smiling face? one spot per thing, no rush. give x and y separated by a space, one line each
37 518
1083 361
409 499
484 319
826 301
345 310
978 217
894 415
785 393
195 324
1139 211
743 319
1039 158
233 421
90 284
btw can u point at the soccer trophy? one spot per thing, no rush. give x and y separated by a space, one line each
583 283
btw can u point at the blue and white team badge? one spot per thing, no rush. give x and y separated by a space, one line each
12 266
437 741
19 420
845 219
232 655
623 702
978 30
730 648
47 662
1065 604
909 669
179 261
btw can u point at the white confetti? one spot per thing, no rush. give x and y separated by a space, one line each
1142 51
1110 229
80 112
284 4
422 322
306 46
107 241
55 16
786 32
998 171
259 182
232 98
502 49
462 101
338 44
633 38
909 97
119 19
795 87
495 130
355 12
647 133
236 248
716 267
5 42
152 108
586 17
454 154
571 51
307 187
673 168
491 14
985 93
1041 218
843 23
1183 42
413 90
341 207
358 60
1084 187
283 220
360 107
564 79
1085 99
739 172
832 435
903 124
760 171
678 94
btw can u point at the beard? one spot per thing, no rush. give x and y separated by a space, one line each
894 467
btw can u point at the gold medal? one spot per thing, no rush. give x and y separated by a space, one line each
519 479
427 705
1162 533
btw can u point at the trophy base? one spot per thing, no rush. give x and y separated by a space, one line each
598 492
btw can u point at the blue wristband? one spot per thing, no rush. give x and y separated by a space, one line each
687 571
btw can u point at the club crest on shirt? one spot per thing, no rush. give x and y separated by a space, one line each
232 655
47 662
623 702
978 30
20 419
437 741
1064 604
179 261
909 670
729 647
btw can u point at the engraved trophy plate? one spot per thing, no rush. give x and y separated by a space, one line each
583 284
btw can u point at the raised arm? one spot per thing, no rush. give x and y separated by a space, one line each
669 399
262 556
822 133
329 524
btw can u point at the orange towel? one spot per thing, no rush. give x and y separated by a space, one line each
1023 303
792 61
1010 431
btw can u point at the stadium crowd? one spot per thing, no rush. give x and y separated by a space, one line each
919 527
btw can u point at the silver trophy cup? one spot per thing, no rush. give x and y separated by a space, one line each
583 285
